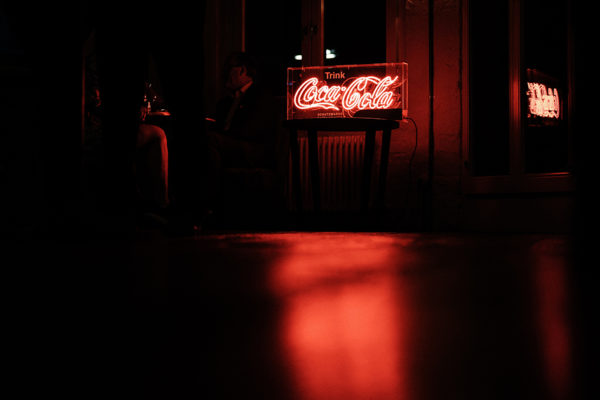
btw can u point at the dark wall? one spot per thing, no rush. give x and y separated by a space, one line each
41 110
40 75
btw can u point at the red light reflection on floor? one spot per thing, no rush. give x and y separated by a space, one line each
551 284
343 324
318 258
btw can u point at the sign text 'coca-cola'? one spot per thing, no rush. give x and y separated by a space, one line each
347 91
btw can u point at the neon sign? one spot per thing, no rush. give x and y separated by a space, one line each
544 102
543 97
346 91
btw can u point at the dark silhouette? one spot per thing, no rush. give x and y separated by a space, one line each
152 161
244 142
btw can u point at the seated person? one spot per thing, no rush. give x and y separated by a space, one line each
245 125
152 161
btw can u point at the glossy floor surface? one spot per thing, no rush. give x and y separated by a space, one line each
330 316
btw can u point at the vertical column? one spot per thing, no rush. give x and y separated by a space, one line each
517 164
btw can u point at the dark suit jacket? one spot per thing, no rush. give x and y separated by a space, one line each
256 119
256 122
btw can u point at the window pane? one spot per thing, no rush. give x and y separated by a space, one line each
545 91
354 32
274 37
488 86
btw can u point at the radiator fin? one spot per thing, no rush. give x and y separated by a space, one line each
340 167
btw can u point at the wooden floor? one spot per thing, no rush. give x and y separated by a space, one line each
318 315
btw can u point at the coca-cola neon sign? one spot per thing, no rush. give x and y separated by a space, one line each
346 91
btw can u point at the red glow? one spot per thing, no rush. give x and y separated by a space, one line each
362 93
347 91
345 344
343 328
314 257
550 279
544 102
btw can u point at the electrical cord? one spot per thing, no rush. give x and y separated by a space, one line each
414 150
412 156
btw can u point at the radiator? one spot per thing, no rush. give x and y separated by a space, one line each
340 169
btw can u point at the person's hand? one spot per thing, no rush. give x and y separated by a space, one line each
143 113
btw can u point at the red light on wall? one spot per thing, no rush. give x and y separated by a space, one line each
346 91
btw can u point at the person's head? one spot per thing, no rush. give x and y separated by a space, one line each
240 68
